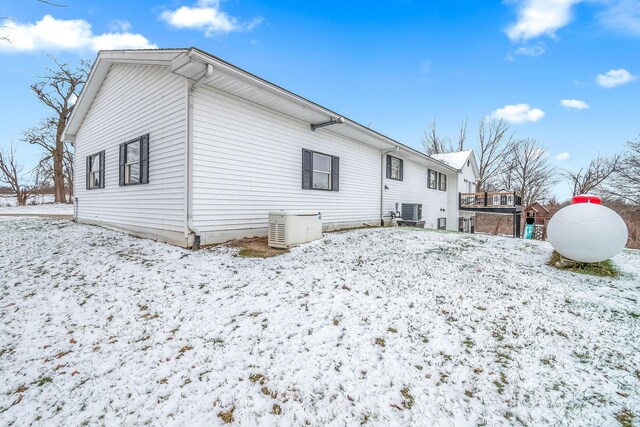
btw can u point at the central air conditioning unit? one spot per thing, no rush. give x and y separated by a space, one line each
290 228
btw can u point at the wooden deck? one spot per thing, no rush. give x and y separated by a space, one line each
494 202
497 202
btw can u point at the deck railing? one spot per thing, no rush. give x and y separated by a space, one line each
492 199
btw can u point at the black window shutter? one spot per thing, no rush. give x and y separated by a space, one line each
102 169
419 212
401 170
335 174
122 160
388 166
144 159
307 169
88 170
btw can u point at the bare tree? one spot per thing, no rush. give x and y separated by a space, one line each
593 177
436 144
57 89
625 181
44 135
12 176
528 172
495 144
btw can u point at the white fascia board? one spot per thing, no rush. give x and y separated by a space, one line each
221 66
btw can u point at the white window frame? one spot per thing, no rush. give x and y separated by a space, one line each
396 171
440 177
128 164
314 171
93 173
429 172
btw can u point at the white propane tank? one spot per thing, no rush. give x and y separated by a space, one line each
587 232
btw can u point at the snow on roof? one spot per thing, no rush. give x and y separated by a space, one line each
455 159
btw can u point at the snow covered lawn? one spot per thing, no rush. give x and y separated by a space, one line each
56 209
386 326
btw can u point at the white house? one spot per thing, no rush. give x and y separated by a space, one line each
181 146
465 162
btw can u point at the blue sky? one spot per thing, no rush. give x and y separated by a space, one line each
561 71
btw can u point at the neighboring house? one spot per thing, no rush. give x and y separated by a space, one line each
180 146
465 162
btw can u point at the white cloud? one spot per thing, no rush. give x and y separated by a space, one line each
207 16
622 15
540 17
574 103
425 66
518 113
120 25
535 50
73 35
613 78
563 157
536 18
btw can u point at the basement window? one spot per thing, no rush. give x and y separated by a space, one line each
442 223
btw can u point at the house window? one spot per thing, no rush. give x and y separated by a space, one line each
432 179
320 171
394 168
134 161
442 223
443 182
95 171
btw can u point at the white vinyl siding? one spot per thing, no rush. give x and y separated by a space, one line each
247 161
413 189
135 100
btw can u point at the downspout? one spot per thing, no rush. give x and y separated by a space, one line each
382 156
191 228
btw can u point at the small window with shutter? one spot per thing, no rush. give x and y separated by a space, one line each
134 161
320 171
394 168
95 171
442 182
432 179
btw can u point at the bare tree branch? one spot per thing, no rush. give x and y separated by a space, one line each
593 177
11 175
528 172
434 143
52 4
495 144
624 183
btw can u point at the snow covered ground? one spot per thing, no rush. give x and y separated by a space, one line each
386 326
36 199
39 209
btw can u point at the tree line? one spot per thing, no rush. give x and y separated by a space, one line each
507 162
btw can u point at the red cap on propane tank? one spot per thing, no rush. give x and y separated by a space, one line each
586 198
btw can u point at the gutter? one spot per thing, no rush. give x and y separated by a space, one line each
191 228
